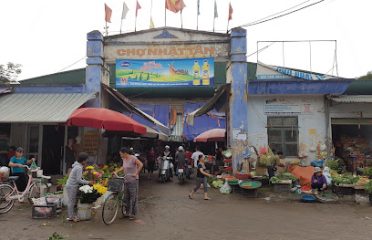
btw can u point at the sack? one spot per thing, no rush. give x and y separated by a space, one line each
116 185
225 189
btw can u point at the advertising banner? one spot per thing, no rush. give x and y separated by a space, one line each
164 72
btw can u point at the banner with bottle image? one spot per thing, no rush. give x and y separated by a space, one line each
164 72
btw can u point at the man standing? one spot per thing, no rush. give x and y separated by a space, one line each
195 156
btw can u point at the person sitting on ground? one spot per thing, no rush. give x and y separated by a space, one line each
318 180
73 182
201 178
17 164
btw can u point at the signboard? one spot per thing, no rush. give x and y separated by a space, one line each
267 72
282 109
164 72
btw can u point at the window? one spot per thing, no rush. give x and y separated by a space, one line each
283 135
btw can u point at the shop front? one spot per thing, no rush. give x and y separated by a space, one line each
35 122
351 119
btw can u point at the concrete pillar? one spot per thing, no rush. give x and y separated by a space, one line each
94 69
238 104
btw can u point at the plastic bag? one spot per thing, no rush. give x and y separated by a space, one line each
225 189
327 175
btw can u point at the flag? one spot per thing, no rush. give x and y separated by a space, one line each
215 10
198 7
152 25
174 5
230 11
138 7
125 11
108 13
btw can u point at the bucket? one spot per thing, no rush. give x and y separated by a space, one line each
84 211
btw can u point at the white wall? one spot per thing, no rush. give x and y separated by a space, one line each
311 119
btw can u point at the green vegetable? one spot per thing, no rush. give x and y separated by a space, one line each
368 187
62 181
367 171
345 179
333 164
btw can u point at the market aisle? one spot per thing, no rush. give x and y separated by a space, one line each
167 213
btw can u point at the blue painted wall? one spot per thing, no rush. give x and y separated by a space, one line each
94 69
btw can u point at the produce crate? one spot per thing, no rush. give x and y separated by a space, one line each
44 212
282 187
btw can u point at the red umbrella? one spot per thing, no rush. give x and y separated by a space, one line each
212 135
105 119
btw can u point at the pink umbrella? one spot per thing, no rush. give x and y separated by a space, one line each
212 135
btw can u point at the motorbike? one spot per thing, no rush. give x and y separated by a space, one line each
182 174
165 169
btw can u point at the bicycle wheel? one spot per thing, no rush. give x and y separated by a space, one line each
35 191
6 204
110 208
123 206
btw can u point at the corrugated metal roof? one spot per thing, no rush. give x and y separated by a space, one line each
353 99
45 108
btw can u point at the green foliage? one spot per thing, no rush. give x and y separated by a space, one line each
368 76
56 236
62 181
9 72
333 164
367 171
368 187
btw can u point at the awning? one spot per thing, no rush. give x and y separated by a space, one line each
353 99
351 121
39 107
127 104
152 133
217 101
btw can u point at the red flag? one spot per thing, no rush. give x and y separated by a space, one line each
230 11
108 13
138 7
174 5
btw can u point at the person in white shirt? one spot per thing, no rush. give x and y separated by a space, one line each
195 156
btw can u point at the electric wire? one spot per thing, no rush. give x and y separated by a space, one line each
281 15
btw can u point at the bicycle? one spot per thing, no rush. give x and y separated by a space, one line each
9 191
114 201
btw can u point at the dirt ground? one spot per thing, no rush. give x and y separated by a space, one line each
167 213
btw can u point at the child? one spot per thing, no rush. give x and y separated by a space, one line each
73 182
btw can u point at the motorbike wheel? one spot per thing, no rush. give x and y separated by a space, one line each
162 179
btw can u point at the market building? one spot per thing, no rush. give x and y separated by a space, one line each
161 77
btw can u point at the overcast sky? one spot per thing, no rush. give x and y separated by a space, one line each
47 36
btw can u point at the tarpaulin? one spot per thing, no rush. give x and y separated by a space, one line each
202 123
159 112
304 174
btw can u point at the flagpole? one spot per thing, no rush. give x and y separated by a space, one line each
197 15
121 24
228 23
106 28
135 24
165 14
214 20
181 19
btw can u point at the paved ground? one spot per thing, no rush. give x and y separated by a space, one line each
167 213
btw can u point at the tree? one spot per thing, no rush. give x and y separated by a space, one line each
368 76
9 72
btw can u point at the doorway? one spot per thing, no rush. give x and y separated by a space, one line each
53 148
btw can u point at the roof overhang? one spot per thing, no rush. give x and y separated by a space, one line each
41 107
352 99
299 87
125 102
218 101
